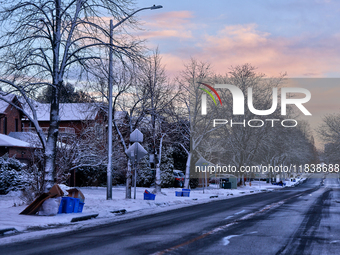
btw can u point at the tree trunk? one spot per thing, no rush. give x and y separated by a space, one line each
187 172
128 181
52 137
158 188
51 144
158 179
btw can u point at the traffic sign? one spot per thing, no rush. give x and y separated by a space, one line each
203 163
136 136
136 152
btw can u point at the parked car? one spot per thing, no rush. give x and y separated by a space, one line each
179 178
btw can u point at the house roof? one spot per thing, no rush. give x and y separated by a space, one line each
28 137
33 139
7 141
67 111
4 105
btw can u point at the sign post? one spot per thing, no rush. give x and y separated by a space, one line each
136 152
204 164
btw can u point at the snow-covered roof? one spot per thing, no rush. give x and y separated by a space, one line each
28 137
7 141
67 111
3 104
33 139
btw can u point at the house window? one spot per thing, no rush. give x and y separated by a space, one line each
16 125
5 125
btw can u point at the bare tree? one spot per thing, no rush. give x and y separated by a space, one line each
329 132
243 143
43 40
159 97
199 127
240 144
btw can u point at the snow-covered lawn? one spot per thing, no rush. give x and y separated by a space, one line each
96 203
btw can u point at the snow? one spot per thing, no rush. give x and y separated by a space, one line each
29 137
4 105
7 141
67 111
95 202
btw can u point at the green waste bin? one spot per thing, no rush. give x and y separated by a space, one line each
226 185
228 178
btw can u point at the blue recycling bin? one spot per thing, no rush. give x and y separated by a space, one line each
80 208
149 196
178 193
185 192
70 205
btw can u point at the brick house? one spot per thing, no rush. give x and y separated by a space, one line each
15 147
74 117
10 117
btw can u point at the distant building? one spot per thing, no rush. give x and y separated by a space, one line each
77 121
73 117
10 116
15 147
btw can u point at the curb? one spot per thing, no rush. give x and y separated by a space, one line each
86 217
3 231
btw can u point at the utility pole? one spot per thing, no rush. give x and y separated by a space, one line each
109 164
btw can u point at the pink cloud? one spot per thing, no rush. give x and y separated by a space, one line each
173 64
170 24
244 44
174 20
236 45
165 34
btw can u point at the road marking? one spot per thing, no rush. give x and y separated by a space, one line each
234 214
240 212
226 239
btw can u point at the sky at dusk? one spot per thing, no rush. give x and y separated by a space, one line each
300 38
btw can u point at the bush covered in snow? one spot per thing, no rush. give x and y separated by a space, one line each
167 167
12 177
145 175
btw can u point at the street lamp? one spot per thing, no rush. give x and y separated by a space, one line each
109 173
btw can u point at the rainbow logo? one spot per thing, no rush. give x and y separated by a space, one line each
213 90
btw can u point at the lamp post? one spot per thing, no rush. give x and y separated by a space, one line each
109 172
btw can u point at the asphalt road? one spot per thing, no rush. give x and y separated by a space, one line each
300 220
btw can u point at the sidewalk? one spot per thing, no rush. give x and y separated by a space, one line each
96 203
